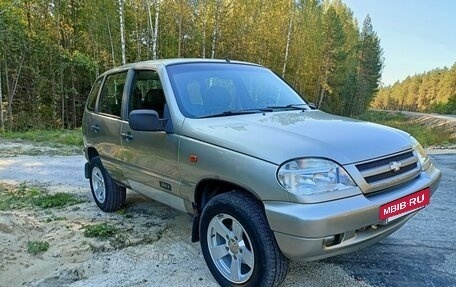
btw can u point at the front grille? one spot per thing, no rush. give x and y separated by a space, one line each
385 175
389 171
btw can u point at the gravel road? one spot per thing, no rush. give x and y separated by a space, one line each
422 253
438 116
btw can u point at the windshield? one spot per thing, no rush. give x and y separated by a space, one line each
224 89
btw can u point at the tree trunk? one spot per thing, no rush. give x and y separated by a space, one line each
179 43
137 33
112 43
2 121
155 38
122 30
12 92
322 96
62 98
287 47
204 30
8 89
151 28
55 105
73 95
215 32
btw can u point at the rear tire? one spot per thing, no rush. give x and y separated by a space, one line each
108 195
237 243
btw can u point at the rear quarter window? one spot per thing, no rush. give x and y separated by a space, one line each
92 99
111 94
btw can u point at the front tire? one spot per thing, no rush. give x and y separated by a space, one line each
108 195
237 243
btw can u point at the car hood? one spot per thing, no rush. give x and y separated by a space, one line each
280 136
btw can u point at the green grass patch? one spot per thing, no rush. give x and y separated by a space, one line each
35 247
55 218
59 199
102 230
17 198
124 212
427 136
63 137
25 196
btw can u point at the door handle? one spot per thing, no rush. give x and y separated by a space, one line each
127 136
95 128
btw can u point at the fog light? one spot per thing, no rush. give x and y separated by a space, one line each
332 240
329 240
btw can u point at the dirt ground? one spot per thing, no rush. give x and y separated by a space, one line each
153 247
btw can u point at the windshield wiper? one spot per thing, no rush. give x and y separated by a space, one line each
233 113
290 107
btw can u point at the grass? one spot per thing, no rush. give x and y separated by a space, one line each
124 212
25 196
17 198
56 200
55 218
118 238
63 137
35 247
427 136
102 230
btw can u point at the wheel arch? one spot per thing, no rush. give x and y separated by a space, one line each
91 152
208 188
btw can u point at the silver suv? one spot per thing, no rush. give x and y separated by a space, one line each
266 176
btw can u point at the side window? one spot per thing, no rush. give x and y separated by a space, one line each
111 94
92 99
146 93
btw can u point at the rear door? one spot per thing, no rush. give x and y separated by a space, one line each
150 157
104 125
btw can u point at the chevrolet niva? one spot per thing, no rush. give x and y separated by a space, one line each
266 176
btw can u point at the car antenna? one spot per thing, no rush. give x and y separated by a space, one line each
227 59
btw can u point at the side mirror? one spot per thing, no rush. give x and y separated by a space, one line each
145 120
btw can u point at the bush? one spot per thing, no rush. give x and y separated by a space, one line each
35 247
102 230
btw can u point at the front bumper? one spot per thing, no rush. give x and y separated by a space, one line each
307 232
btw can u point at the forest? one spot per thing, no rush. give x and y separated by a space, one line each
433 91
51 51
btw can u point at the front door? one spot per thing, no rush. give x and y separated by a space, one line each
150 157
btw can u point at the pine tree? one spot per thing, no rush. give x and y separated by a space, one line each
332 59
369 67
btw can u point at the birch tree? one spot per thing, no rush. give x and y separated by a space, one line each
287 45
153 27
155 37
113 56
122 30
204 16
2 121
216 28
180 23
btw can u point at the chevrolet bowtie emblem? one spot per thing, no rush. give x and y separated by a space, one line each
395 166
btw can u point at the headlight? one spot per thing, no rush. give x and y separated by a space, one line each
421 153
309 176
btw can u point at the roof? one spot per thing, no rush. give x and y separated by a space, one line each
174 61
